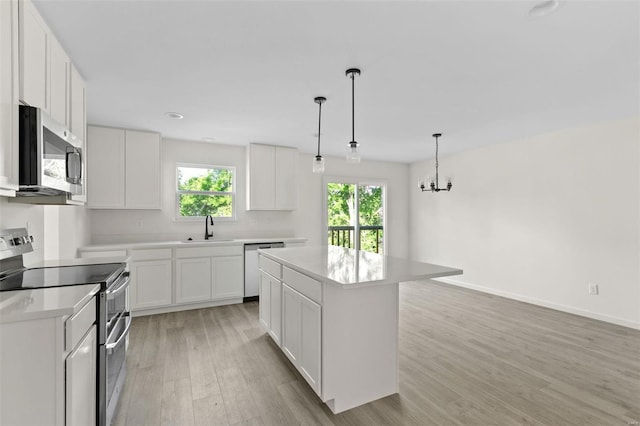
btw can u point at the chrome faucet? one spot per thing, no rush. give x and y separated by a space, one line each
208 220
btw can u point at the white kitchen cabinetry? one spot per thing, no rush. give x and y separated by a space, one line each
209 274
272 177
124 169
290 311
34 53
151 278
9 97
271 305
48 364
59 84
193 280
78 104
81 382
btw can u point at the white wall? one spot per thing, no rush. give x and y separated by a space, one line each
113 226
58 231
539 219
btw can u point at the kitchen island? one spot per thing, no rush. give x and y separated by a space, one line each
334 313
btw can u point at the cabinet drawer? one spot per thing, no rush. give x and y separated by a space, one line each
182 253
78 324
302 283
270 267
150 254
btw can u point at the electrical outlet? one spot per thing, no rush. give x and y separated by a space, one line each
593 289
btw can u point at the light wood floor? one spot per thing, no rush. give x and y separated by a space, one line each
466 358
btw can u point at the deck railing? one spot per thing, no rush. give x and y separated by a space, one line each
343 236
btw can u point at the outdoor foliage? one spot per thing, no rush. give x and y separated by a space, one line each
341 212
204 193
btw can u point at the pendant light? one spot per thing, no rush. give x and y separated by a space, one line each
318 162
434 186
353 155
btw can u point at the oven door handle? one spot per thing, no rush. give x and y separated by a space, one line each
125 283
112 346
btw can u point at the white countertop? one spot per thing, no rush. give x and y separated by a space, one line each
80 261
195 243
350 267
24 305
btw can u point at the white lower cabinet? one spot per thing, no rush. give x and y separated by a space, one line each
81 382
271 305
228 274
151 283
291 314
48 365
301 325
193 280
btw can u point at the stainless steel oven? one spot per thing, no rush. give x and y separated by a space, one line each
114 322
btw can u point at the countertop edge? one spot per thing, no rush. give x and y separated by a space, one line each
181 244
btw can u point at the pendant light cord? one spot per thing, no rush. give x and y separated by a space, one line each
437 186
319 119
353 107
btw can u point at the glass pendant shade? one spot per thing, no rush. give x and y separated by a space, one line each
353 155
318 164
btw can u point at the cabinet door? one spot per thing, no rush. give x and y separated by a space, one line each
193 280
34 47
291 323
59 83
227 274
286 188
77 104
105 155
151 284
261 179
265 301
276 310
142 170
8 97
80 384
309 360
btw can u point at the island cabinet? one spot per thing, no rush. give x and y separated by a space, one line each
337 311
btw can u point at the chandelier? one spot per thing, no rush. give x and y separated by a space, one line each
434 186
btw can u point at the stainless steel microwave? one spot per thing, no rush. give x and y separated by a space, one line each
50 156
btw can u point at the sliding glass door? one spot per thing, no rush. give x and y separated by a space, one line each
355 215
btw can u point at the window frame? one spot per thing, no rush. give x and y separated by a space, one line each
232 193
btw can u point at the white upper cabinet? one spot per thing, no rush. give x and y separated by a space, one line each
124 169
59 84
78 104
272 177
34 54
142 176
8 97
105 158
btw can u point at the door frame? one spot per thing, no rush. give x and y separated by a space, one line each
355 181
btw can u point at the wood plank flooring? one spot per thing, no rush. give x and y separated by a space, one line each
466 358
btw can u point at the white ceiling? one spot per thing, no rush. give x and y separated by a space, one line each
480 72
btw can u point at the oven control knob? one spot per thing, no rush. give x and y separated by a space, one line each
17 241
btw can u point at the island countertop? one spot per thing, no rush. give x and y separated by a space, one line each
354 268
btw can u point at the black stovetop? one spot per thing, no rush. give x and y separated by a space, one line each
61 276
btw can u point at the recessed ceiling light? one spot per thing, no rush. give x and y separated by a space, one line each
174 115
544 8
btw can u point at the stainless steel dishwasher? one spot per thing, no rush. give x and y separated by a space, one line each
251 268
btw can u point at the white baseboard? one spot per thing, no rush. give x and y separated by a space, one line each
546 304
